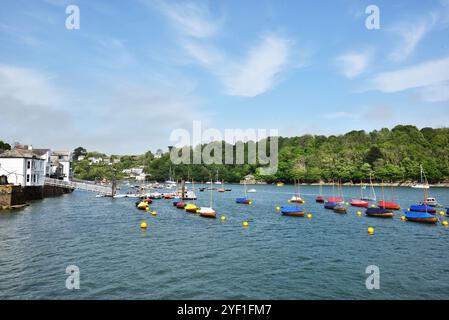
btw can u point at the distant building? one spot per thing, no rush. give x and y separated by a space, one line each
136 173
61 165
23 167
95 160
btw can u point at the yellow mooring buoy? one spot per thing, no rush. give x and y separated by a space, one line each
402 218
371 230
359 213
444 223
154 213
245 224
222 218
143 225
309 216
278 208
441 213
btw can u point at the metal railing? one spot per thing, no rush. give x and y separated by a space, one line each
85 186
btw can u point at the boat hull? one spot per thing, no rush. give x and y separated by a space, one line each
319 200
380 213
211 215
388 205
294 214
329 205
422 217
359 203
181 205
292 211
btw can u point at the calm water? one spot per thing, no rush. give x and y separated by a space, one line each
184 256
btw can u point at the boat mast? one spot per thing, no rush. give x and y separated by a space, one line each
383 195
211 188
372 187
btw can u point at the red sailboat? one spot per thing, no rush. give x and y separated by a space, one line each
388 204
320 198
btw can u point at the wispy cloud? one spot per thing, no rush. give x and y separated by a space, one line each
410 35
250 76
353 64
426 74
192 19
257 73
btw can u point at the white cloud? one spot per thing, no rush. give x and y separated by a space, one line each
28 86
425 74
192 19
248 77
410 34
353 64
257 74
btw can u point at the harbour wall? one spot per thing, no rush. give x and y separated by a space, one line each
17 196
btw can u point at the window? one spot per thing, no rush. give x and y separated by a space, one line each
29 164
28 177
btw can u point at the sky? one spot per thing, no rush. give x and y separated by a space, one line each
137 70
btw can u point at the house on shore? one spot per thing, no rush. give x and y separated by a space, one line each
23 171
61 165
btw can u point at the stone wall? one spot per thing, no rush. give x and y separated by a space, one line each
11 195
53 191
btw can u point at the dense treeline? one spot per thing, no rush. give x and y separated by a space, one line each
389 155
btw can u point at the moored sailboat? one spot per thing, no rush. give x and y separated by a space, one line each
208 212
245 199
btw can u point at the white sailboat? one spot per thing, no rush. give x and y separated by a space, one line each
372 195
422 185
217 181
208 212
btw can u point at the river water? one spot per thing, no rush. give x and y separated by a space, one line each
184 256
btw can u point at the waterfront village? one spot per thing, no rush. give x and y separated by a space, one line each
28 173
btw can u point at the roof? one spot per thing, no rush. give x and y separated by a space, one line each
40 152
19 153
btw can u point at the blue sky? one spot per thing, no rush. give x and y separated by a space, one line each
136 70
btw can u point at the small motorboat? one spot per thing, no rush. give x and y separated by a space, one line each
423 208
202 189
388 205
191 207
296 199
169 196
423 217
431 201
329 205
292 211
221 190
280 184
181 205
207 212
359 203
340 208
379 212
243 201
227 190
320 199
251 191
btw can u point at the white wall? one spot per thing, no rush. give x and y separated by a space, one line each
18 173
14 169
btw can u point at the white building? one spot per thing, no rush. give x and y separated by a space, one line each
22 167
61 165
45 154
